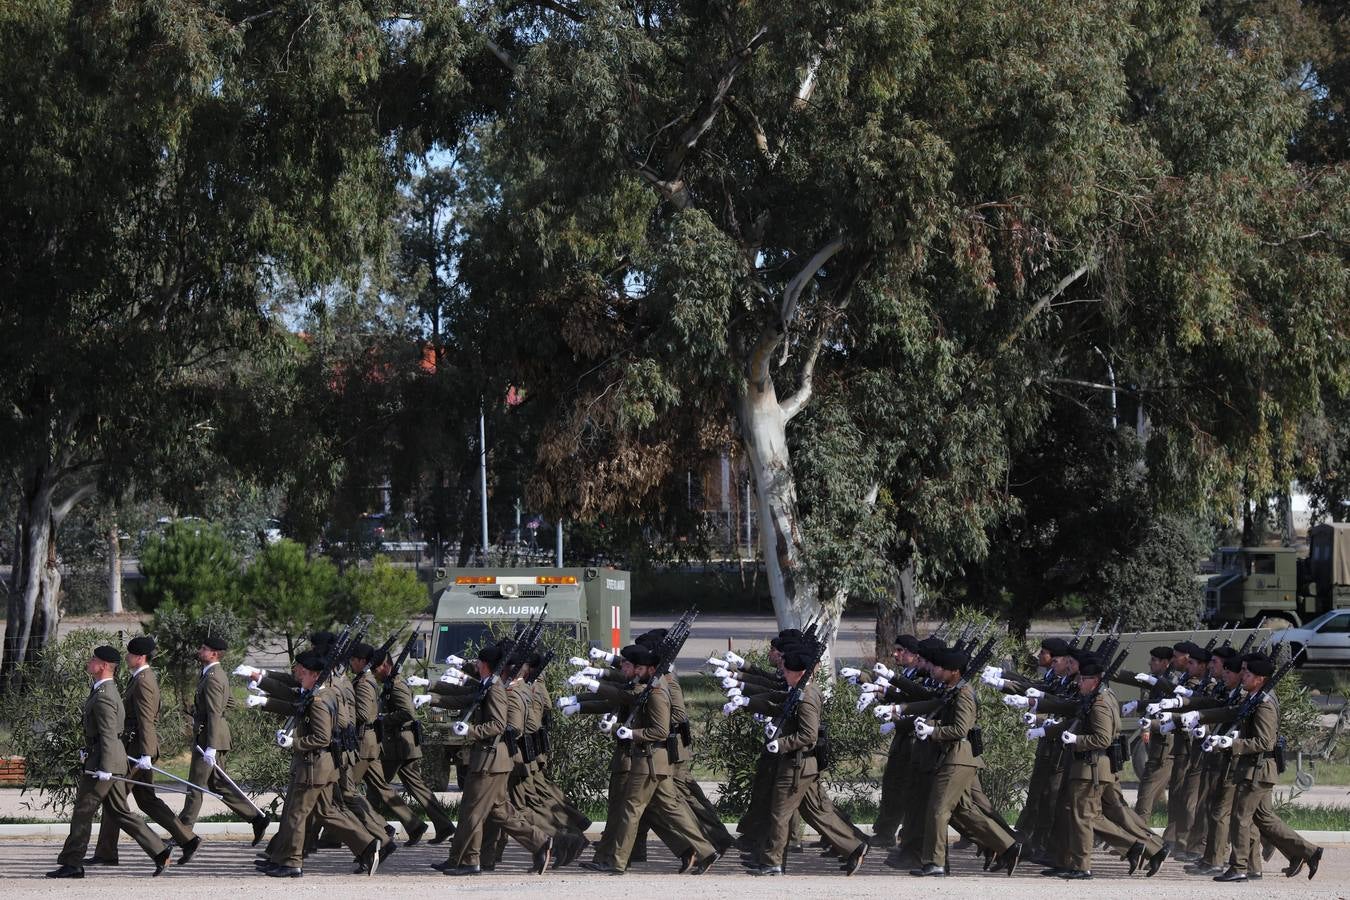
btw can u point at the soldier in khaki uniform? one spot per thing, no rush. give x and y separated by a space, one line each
211 734
401 745
1088 771
1254 774
491 761
140 736
956 774
103 761
1218 815
1157 683
313 776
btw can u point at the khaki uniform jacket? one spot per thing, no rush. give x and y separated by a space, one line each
102 719
398 718
650 728
593 704
312 763
951 733
345 694
366 691
800 733
1097 734
209 728
1253 761
678 716
487 753
142 703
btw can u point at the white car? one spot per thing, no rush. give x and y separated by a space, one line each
1325 640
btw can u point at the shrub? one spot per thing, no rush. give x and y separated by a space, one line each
391 594
191 565
287 595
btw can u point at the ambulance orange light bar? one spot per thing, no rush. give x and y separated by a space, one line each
556 579
476 579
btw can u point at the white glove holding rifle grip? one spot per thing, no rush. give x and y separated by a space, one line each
1029 718
416 681
624 733
1035 734
1129 708
421 700
597 653
922 729
882 670
1169 726
461 729
884 712
1200 732
772 746
866 700
1069 738
608 722
255 701
1145 678
1016 701
284 740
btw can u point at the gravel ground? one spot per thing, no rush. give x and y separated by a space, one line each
226 864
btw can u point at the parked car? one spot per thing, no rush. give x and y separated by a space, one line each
1325 640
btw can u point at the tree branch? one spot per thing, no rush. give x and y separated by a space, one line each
1044 301
78 495
502 56
792 293
806 382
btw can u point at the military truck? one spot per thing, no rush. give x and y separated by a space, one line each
1275 583
591 604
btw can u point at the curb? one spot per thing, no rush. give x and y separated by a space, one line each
243 830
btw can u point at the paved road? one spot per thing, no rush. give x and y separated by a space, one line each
226 866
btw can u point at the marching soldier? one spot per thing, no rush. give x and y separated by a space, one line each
211 737
103 782
313 776
140 737
1157 682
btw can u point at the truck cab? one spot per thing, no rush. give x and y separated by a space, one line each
1254 582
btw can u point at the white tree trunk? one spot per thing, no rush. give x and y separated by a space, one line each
114 571
36 580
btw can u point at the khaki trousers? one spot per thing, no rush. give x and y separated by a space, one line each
604 848
149 803
1219 819
658 795
382 794
484 800
951 803
91 795
409 772
1081 813
1247 800
817 809
894 786
209 777
789 790
1181 790
1156 775
318 801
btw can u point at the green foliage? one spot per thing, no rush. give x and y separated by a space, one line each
391 594
1151 583
287 594
192 566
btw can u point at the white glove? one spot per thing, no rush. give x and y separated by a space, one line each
1035 734
770 730
1208 745
460 729
453 660
585 681
571 709
624 733
887 727
144 763
284 740
1168 727
734 661
718 662
740 700
453 676
922 729
1069 738
884 683
992 671
1145 678
421 700
1169 703
416 681
729 708
884 711
996 682
566 701
729 682
866 700
759 717
608 722
592 670
1200 731
1016 701
1153 709
1129 708
1028 718
597 653
1182 690
209 754
253 688
849 672
247 671
1145 723
255 701
579 661
772 746
103 776
884 671
1035 693
1190 719
84 754
1222 741
873 687
735 692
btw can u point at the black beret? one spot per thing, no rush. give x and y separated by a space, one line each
798 659
1233 663
1161 652
1081 653
653 637
1224 652
951 660
1090 667
361 650
107 654
378 656
786 638
1200 654
1056 646
491 654
644 657
142 645
1184 647
312 660
1259 664
631 652
214 642
322 638
907 642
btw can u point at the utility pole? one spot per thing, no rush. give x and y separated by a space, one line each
482 477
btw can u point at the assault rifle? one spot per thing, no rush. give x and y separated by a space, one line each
388 689
350 635
1092 638
794 694
1078 636
1111 641
1256 698
525 641
1251 638
666 651
545 658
